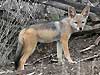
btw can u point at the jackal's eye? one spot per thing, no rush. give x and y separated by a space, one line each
82 21
75 22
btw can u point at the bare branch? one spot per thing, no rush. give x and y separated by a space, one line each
92 57
92 46
97 41
88 48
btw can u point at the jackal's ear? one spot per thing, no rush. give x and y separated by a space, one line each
71 12
86 11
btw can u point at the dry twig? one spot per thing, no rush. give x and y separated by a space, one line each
85 59
92 46
88 48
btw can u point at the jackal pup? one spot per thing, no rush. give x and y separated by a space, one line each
59 31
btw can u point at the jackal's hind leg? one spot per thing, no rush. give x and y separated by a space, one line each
28 50
29 44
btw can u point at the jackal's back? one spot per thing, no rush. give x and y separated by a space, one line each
47 32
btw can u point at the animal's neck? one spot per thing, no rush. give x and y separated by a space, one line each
66 24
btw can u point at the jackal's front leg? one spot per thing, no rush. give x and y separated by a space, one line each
59 52
64 40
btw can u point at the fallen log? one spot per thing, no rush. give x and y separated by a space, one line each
61 4
86 32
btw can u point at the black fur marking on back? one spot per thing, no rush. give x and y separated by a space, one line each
41 26
52 25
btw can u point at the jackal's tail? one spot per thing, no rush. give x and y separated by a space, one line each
18 55
19 49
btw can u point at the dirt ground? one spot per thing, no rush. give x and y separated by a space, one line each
44 61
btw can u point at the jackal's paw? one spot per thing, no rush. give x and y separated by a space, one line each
21 72
60 61
71 61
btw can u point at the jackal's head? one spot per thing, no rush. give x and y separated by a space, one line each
78 21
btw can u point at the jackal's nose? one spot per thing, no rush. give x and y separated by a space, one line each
80 28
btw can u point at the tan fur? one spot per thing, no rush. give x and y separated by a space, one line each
58 31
